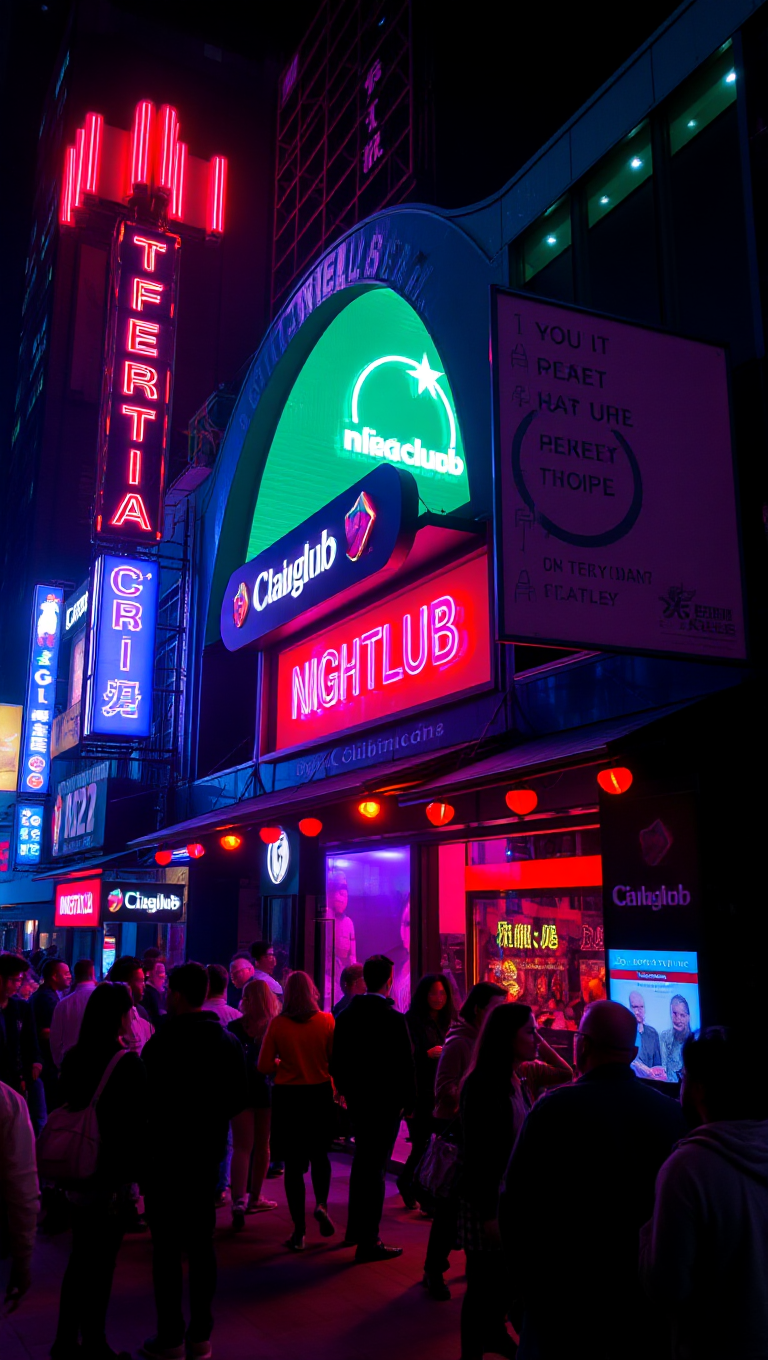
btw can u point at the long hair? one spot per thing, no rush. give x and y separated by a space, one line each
103 1016
493 1059
259 1005
419 1007
300 997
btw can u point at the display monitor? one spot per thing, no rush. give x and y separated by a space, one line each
662 989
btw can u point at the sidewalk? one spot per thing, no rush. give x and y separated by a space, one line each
271 1304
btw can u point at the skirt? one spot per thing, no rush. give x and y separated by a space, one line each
303 1122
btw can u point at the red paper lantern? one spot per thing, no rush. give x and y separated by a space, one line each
196 850
369 808
440 814
271 834
616 780
310 826
163 857
230 841
522 801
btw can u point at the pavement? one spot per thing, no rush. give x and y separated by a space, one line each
272 1304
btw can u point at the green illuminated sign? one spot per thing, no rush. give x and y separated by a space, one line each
372 390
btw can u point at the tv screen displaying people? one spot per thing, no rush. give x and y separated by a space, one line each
662 991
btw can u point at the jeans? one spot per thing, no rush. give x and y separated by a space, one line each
484 1310
442 1234
295 1193
97 1231
182 1218
375 1133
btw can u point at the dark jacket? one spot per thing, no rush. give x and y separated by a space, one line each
43 1003
372 1061
197 1082
154 1005
425 1034
490 1121
19 1048
121 1110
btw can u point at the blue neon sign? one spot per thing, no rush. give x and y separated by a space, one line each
40 708
28 834
122 647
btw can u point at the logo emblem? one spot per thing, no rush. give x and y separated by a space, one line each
115 900
240 605
655 842
358 526
278 859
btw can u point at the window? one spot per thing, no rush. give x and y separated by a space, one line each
620 175
621 241
546 255
702 99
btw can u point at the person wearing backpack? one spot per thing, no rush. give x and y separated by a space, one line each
98 1201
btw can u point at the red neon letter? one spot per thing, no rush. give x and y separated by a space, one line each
141 376
131 508
94 127
166 159
144 290
179 179
141 134
217 187
134 467
142 337
138 414
150 250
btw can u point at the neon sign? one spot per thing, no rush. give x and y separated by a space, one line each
430 642
78 903
40 708
122 648
29 834
136 402
522 935
410 451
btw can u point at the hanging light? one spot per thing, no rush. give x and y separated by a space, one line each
616 780
271 834
310 826
440 814
369 808
521 801
230 841
163 857
195 850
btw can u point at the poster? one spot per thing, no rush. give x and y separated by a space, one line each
651 881
616 522
661 988
10 737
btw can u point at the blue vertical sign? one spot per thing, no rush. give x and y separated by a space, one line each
39 710
28 835
121 658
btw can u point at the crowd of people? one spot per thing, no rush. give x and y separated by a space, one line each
654 1206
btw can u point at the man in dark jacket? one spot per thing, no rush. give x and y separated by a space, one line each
56 980
597 1144
197 1083
372 1066
20 1061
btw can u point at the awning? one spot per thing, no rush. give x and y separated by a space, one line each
24 892
541 753
60 872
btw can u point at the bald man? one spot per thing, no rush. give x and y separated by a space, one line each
583 1171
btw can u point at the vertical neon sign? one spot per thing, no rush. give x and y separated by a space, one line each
122 648
40 708
136 400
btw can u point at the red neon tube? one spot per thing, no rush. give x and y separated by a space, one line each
179 181
168 136
94 128
535 875
66 205
79 158
217 188
141 142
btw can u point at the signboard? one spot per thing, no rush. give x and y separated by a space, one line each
280 866
10 741
121 655
136 397
28 834
65 732
77 903
422 645
661 987
361 532
651 889
41 690
157 902
75 611
79 811
5 856
616 523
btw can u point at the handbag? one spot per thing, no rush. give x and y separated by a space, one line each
68 1143
440 1164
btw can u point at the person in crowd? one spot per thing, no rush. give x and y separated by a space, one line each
454 1061
128 970
20 1061
672 1040
241 969
429 1018
704 1254
372 1066
56 979
648 1061
68 1015
30 982
250 1129
97 1204
19 1193
352 984
155 985
197 1085
264 965
216 1000
296 1051
617 1131
401 957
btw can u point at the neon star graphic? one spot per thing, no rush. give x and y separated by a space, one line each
426 377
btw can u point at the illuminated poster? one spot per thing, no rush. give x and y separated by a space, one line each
616 512
122 648
41 690
28 834
661 988
429 642
78 903
651 878
368 910
139 902
10 741
136 398
79 811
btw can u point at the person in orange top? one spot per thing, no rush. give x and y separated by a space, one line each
296 1050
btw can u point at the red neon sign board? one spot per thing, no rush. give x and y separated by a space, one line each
136 400
535 875
78 903
428 643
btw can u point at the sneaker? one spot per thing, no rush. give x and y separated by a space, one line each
327 1228
157 1350
199 1350
261 1205
238 1214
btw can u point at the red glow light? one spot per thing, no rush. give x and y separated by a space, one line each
79 158
217 189
179 180
168 129
163 857
439 814
616 780
535 875
196 850
94 131
66 203
369 808
230 841
310 826
141 141
521 801
270 834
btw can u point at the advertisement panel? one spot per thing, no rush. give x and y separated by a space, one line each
35 766
157 902
121 654
79 811
75 611
77 903
28 835
422 645
651 887
616 521
10 742
662 989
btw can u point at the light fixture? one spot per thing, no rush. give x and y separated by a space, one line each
692 123
439 814
551 240
310 826
522 801
270 834
163 857
369 808
230 841
195 850
730 78
616 780
635 163
604 199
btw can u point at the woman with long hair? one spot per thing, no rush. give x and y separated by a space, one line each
99 1205
296 1050
428 1019
250 1128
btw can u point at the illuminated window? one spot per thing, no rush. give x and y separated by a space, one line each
703 99
620 174
549 236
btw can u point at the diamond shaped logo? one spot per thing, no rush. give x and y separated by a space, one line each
655 842
240 605
358 526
